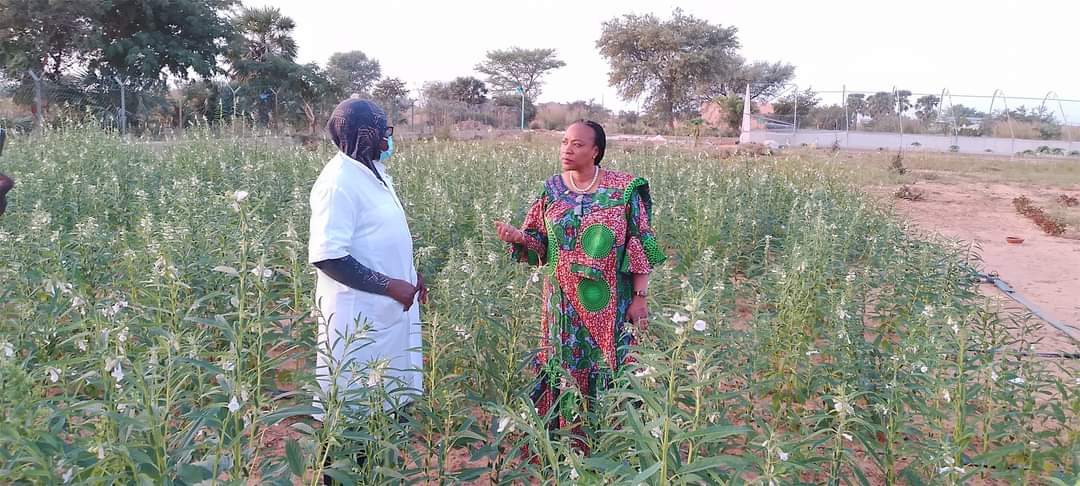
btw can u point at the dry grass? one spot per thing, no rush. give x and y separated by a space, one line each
873 168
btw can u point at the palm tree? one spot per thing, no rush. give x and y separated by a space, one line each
266 32
264 55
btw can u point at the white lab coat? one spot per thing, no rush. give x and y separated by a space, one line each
352 213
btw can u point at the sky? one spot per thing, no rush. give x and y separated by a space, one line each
1024 48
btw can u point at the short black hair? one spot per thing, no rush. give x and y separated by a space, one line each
599 135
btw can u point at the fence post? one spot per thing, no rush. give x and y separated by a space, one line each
122 116
40 115
899 118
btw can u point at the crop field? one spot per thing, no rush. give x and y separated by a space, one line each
156 328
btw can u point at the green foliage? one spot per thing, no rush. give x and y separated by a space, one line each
151 39
353 72
508 69
672 62
468 90
155 326
806 101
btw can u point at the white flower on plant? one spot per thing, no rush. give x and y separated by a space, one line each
951 469
7 349
994 377
54 375
850 277
491 258
375 372
228 366
782 455
573 474
117 373
120 407
655 432
812 352
68 475
843 407
928 312
262 271
700 325
953 325
946 396
122 335
847 436
679 318
503 423
842 314
239 196
643 372
234 405
535 277
81 344
1019 380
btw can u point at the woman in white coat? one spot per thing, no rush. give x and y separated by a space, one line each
367 284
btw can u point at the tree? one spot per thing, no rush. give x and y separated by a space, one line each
265 33
508 69
468 90
392 95
674 62
856 106
806 101
926 108
903 100
263 56
353 72
881 104
148 39
765 79
47 37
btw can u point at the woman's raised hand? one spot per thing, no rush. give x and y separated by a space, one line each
508 233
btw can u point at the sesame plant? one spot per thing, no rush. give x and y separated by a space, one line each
156 327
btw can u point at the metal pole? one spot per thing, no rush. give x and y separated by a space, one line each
843 99
795 121
899 118
40 117
522 109
123 106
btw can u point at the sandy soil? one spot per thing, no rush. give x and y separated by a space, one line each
1044 269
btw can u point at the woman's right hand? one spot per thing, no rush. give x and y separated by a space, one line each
402 291
509 233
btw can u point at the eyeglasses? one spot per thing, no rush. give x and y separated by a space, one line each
389 132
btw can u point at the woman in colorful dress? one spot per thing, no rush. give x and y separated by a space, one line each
590 228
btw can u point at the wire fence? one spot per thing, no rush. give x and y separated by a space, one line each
898 119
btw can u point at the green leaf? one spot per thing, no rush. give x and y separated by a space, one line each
646 474
706 463
282 414
294 458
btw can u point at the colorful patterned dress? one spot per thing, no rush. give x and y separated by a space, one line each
590 245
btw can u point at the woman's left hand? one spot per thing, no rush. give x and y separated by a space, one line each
638 313
421 288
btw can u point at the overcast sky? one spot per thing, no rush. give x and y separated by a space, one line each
1024 48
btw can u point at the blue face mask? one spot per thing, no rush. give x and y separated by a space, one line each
389 149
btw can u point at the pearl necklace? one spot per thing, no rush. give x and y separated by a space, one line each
575 188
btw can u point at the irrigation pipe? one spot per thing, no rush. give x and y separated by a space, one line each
1014 295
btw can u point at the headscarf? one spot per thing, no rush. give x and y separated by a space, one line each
356 127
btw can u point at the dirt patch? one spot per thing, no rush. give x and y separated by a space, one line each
1044 269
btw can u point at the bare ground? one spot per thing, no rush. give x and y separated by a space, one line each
1043 269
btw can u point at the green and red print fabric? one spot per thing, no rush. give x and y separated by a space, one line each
590 246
